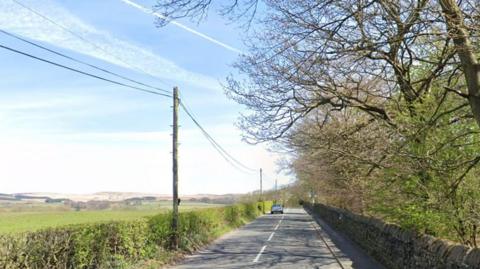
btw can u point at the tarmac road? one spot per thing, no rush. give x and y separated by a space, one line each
292 240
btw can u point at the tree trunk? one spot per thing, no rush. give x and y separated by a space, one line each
460 35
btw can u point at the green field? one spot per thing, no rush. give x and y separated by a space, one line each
23 217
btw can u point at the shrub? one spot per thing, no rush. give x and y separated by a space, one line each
117 244
250 211
266 204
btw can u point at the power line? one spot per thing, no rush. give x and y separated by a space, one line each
87 41
80 61
81 72
211 140
215 143
269 178
227 156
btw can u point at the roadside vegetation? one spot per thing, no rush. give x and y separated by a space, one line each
376 102
18 217
140 243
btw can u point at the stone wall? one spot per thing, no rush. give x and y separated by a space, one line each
395 247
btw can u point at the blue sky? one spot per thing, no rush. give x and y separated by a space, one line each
63 132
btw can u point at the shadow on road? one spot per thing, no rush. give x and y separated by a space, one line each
346 249
289 241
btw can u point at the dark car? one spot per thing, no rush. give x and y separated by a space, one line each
277 209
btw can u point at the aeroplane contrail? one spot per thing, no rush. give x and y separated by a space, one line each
204 36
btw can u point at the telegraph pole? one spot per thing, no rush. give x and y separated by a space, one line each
175 169
261 192
276 190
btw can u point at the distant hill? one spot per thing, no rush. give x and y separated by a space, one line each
8 197
117 197
23 196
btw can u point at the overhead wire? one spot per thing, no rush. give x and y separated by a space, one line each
225 154
185 107
80 61
82 72
269 178
87 41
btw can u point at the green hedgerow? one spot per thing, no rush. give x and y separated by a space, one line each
117 244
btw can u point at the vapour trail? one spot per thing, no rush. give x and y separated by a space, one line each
173 22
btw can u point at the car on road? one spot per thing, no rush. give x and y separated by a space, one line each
277 209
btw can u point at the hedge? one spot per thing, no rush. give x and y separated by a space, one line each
118 244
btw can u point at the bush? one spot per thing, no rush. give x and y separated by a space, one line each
117 244
250 211
266 204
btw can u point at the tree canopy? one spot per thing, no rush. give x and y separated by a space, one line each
378 101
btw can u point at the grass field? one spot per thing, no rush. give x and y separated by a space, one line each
21 217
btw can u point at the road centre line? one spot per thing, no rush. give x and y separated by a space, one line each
279 222
259 254
270 237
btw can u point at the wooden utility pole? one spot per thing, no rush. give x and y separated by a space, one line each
175 169
261 192
276 190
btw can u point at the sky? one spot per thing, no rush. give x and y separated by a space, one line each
64 132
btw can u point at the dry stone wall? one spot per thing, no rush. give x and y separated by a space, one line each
395 247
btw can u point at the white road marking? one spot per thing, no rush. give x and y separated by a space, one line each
259 254
279 222
193 256
270 237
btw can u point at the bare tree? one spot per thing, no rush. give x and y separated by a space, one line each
345 53
377 100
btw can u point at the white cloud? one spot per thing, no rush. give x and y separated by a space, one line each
55 164
40 113
38 154
36 102
19 20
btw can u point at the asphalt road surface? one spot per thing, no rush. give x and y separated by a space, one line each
292 240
